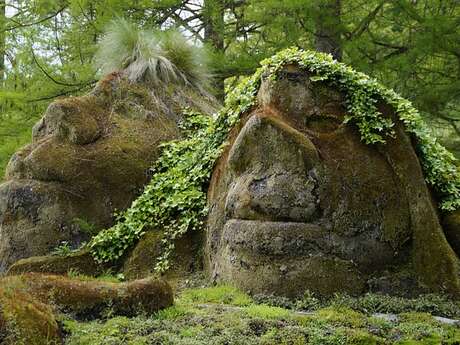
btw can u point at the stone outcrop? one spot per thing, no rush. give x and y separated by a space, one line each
89 156
298 202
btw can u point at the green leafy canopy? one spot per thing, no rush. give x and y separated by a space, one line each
175 199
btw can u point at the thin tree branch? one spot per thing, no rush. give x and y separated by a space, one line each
63 93
48 75
364 25
35 23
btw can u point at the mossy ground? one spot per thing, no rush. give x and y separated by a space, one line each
224 315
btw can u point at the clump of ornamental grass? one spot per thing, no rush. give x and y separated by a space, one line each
174 70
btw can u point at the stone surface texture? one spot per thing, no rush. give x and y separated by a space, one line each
298 202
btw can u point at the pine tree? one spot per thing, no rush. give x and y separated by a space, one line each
2 39
47 46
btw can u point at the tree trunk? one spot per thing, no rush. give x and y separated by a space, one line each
328 28
2 40
213 20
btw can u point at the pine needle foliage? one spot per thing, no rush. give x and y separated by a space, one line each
156 57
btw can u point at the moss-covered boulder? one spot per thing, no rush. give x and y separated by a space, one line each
31 303
299 202
89 156
89 298
81 297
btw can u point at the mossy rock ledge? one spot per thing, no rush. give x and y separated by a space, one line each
81 261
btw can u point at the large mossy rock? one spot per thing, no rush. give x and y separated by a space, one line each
298 202
31 302
89 156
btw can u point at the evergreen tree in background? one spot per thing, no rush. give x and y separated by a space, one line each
47 47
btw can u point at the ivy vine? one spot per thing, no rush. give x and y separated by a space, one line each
174 201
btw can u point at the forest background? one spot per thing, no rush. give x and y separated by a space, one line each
47 48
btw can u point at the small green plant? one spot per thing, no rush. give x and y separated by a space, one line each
105 277
308 302
274 301
267 312
73 273
85 226
173 73
64 249
110 277
191 332
171 313
341 316
222 294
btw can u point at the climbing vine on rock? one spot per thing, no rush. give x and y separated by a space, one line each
174 201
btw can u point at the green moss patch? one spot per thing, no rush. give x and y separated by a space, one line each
369 303
223 294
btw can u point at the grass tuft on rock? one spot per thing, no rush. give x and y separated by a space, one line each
153 56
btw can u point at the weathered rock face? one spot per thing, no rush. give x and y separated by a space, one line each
298 202
89 156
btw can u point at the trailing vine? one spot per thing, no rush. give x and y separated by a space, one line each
175 199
